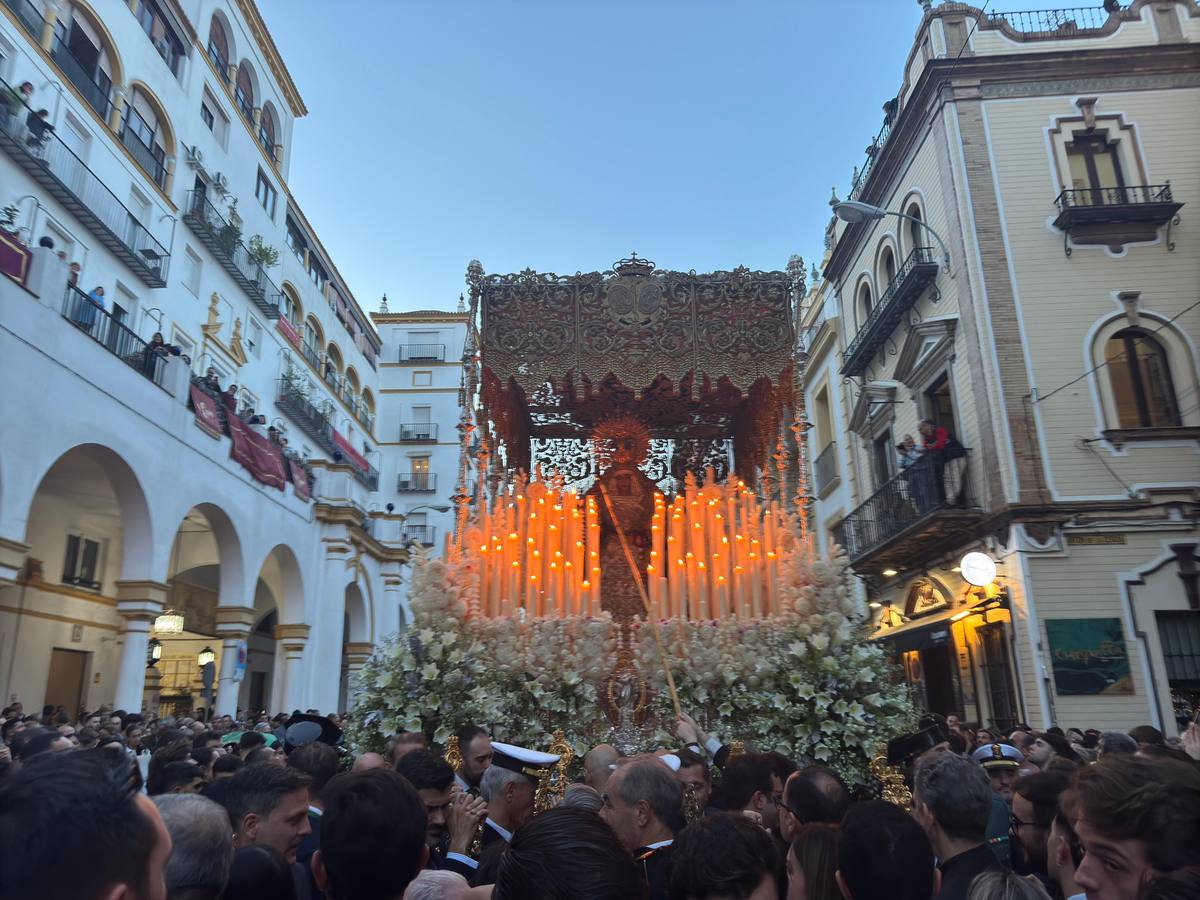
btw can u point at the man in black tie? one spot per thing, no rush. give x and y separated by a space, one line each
643 804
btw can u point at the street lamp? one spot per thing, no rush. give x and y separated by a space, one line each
153 653
206 657
436 509
855 211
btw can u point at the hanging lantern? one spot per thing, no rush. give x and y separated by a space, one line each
153 652
206 657
170 622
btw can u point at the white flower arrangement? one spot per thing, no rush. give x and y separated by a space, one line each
806 683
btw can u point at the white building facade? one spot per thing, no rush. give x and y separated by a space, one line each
164 178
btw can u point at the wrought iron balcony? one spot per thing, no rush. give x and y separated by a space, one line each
313 421
1116 215
29 16
914 516
862 175
422 353
224 239
422 534
825 468
416 482
112 335
914 275
1051 23
220 64
419 433
98 97
64 177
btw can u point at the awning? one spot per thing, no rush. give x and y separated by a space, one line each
915 636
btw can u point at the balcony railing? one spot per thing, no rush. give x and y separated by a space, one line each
144 155
29 17
1115 216
293 402
861 175
422 353
419 433
808 336
825 467
915 273
416 482
1046 23
927 504
422 534
312 354
112 335
224 240
221 65
65 177
99 98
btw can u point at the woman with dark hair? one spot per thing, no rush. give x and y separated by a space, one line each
812 863
260 872
563 854
155 350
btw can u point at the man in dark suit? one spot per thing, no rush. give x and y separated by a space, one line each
643 804
952 800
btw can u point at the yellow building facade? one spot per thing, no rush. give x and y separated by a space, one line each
1034 290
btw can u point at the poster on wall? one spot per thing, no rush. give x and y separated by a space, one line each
1089 656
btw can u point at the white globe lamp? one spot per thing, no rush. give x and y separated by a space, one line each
978 569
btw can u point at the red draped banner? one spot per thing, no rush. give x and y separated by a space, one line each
353 455
14 257
285 328
257 454
299 480
207 418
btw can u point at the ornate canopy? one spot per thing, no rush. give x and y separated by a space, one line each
697 357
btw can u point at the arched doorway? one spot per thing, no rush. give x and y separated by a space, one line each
205 566
356 643
88 530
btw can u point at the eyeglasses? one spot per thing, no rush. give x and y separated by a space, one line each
1015 822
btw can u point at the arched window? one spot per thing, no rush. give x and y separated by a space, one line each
218 47
887 267
291 308
266 130
333 366
865 304
143 136
915 229
1141 380
313 339
81 49
244 92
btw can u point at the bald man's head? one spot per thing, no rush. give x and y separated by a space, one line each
370 761
597 764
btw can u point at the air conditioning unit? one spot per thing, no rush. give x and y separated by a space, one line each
220 183
195 158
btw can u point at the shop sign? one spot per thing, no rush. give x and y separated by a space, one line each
1089 656
1095 540
924 598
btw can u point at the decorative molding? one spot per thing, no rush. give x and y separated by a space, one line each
914 368
38 614
876 405
266 44
1096 84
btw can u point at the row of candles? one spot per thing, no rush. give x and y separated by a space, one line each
714 553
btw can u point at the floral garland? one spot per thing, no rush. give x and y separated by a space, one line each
807 683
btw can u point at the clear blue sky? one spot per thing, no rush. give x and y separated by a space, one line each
561 134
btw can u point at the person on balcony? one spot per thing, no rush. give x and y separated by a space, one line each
155 350
39 128
916 480
211 382
16 99
942 448
85 308
230 398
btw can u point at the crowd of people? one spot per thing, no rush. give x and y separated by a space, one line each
117 805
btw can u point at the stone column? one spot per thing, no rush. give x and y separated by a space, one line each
138 604
117 111
233 625
388 616
357 654
292 641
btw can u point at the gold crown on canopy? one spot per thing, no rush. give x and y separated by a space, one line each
627 437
